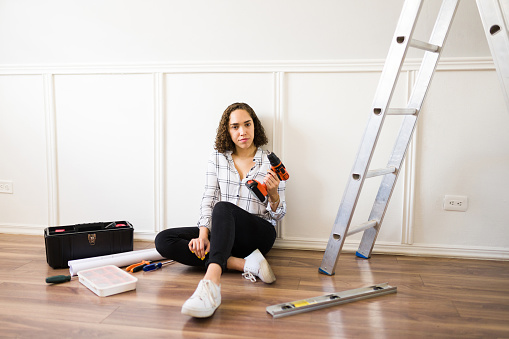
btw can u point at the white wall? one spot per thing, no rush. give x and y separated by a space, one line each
108 111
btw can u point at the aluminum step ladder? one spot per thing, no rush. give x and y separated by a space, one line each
497 34
496 28
400 44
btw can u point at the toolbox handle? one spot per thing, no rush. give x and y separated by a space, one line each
96 226
60 229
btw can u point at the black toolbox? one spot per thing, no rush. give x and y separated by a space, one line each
64 243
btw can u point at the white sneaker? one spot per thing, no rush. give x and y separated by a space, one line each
204 301
257 265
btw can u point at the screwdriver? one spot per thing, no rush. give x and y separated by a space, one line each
156 266
58 279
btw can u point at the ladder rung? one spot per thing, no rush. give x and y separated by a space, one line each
424 45
362 227
380 171
402 111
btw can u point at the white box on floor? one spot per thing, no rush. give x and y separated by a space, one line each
107 280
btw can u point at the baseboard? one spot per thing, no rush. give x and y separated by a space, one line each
39 230
23 229
144 236
424 250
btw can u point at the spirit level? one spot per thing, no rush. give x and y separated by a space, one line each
311 304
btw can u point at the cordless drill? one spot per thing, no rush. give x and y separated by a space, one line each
260 189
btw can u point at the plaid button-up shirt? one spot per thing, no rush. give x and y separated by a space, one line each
223 184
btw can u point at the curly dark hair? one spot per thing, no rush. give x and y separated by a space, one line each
224 140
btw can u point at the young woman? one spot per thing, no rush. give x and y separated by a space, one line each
235 228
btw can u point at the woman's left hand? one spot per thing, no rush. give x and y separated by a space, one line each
200 247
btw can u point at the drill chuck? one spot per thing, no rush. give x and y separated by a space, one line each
278 167
274 160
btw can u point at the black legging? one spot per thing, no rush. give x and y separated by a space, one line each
235 232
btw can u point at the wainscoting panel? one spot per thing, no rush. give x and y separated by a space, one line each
105 148
463 149
23 151
194 105
324 123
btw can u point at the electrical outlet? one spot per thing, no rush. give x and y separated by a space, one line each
5 186
455 203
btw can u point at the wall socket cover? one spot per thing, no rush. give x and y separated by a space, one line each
5 186
455 203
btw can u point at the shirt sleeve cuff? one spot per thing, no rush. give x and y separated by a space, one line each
204 222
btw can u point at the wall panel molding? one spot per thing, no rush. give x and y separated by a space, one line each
312 66
159 153
407 222
278 128
51 149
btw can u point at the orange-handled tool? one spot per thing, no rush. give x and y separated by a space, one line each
133 266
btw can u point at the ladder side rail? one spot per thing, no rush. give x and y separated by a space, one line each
419 92
387 83
497 34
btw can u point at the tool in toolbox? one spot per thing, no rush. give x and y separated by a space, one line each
260 189
311 304
137 267
497 35
156 266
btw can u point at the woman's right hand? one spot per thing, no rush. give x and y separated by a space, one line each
200 247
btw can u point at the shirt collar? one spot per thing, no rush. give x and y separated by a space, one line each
257 158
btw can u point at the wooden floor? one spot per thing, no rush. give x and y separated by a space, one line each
436 297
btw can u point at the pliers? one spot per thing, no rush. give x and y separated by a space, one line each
137 267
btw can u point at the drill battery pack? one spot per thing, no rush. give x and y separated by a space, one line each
64 243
